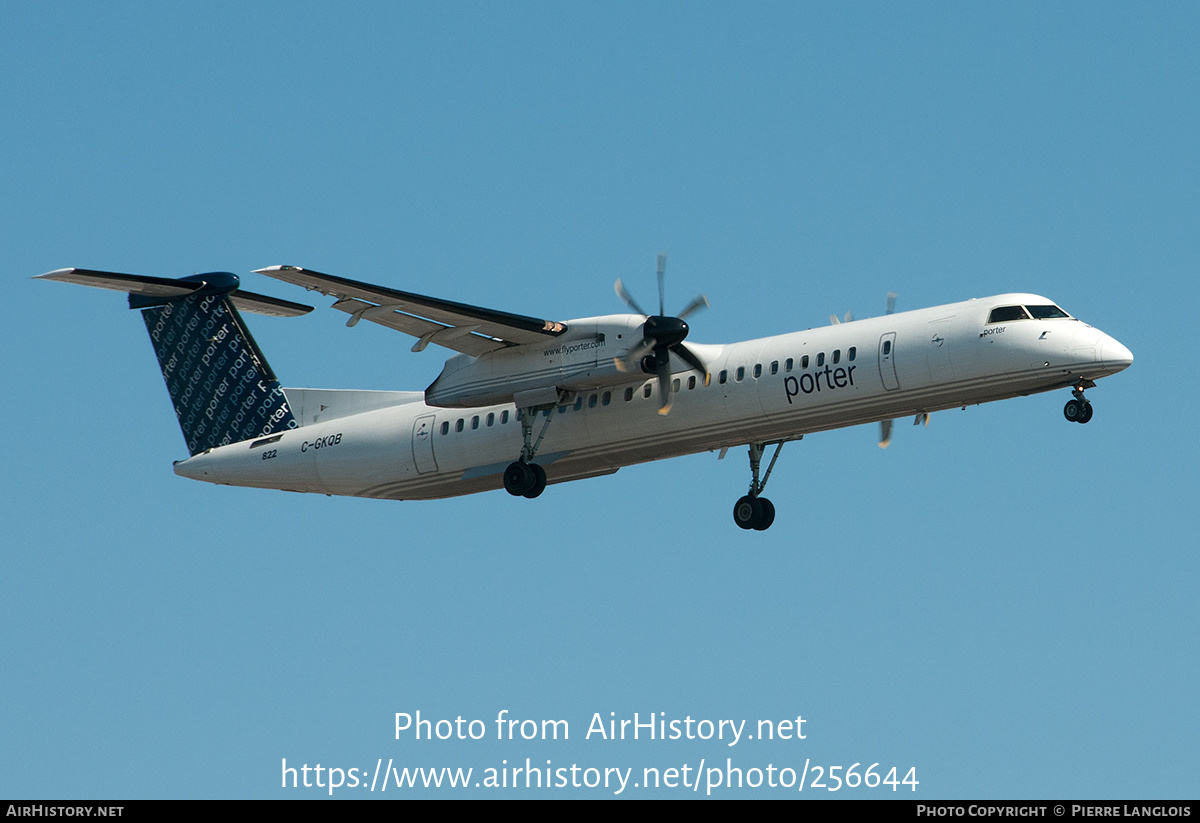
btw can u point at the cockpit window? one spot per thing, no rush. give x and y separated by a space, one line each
1005 314
1046 312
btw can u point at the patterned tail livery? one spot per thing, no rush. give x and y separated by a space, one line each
222 388
220 383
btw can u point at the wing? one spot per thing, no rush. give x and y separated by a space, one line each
468 329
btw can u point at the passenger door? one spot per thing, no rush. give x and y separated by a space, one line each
422 444
887 361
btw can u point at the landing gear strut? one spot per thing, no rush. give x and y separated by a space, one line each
754 511
1079 410
523 477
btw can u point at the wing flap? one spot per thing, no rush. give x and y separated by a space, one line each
425 330
468 329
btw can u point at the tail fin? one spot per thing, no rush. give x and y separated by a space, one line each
220 383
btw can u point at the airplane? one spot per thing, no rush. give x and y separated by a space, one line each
527 402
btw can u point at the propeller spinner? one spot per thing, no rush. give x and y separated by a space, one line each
661 335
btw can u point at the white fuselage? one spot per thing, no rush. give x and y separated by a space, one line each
396 446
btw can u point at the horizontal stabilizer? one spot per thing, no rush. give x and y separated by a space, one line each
264 304
145 291
131 283
220 383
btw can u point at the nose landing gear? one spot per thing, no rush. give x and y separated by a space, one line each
1079 410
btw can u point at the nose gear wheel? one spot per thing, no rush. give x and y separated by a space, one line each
1079 410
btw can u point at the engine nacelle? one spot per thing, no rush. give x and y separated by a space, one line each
580 360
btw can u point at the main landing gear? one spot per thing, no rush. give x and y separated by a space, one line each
754 511
1079 410
523 477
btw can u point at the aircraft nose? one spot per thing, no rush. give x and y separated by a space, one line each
1116 355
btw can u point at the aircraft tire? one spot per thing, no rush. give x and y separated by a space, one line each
519 479
747 512
1086 414
766 515
1073 411
539 481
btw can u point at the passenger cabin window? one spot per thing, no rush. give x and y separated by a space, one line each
757 370
741 374
1006 314
837 356
723 376
628 394
852 353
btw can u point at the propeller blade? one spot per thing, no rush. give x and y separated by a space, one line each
662 277
885 433
630 361
698 302
629 301
891 302
692 360
663 369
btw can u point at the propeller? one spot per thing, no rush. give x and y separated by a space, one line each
661 335
885 433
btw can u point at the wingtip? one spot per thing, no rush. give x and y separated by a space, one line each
53 275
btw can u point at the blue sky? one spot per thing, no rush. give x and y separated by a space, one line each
1002 600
